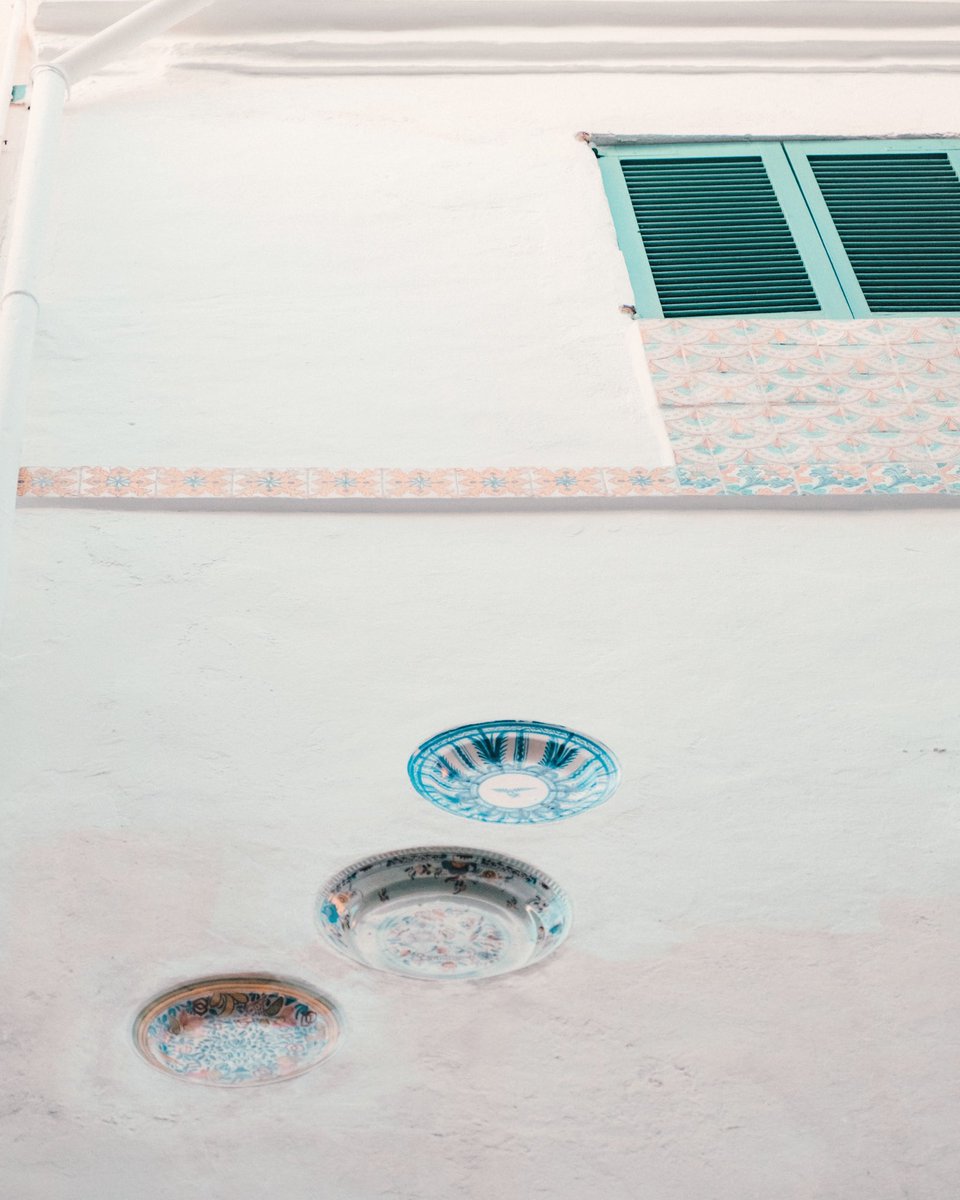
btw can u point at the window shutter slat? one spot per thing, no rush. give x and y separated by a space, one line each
890 217
690 211
711 229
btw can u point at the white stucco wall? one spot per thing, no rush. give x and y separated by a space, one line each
204 714
402 271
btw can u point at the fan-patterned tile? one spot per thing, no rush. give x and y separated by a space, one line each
726 361
900 330
790 332
913 418
764 454
685 447
708 449
933 395
685 422
883 394
943 451
681 393
744 423
784 418
668 369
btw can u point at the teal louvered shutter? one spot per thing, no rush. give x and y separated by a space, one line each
717 230
889 215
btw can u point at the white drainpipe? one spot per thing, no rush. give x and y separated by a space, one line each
19 305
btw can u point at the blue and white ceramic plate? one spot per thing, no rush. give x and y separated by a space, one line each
514 772
439 912
238 1030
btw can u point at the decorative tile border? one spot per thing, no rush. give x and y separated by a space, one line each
740 475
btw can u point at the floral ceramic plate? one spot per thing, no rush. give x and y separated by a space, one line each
514 772
237 1030
443 913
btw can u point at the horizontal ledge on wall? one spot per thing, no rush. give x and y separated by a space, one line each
617 57
698 139
383 487
765 64
656 18
386 508
301 37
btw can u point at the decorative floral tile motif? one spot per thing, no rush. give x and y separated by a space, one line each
118 481
640 481
706 465
568 482
419 483
699 481
42 481
758 480
495 482
346 482
833 478
904 478
195 481
271 482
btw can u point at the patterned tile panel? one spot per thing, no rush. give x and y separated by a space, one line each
764 391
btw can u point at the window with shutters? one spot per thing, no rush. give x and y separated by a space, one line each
835 228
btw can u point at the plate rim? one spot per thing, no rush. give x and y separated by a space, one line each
290 985
447 736
327 888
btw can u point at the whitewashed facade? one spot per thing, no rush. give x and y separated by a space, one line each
338 437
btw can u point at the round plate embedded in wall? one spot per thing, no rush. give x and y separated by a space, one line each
238 1030
437 912
514 772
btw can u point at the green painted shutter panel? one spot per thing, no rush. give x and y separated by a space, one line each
889 214
717 229
898 217
716 237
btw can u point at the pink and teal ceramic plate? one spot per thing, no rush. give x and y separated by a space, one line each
514 772
238 1030
439 912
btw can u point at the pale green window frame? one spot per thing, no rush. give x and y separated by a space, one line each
796 189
